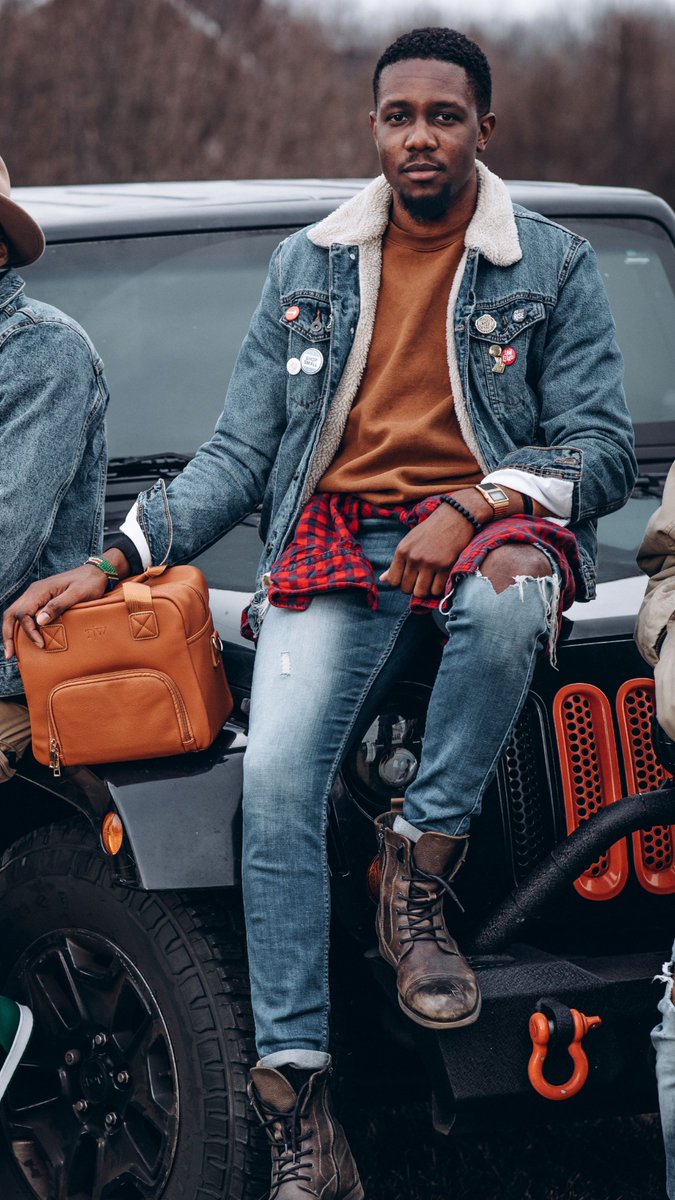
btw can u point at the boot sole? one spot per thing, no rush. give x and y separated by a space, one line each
442 1024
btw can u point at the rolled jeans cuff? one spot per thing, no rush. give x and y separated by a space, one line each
305 1060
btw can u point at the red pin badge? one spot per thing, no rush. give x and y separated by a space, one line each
292 313
509 356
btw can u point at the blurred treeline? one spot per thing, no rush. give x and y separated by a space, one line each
99 90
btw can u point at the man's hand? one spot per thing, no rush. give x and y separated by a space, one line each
47 599
425 556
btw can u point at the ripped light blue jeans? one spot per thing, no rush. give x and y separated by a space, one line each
663 1038
314 671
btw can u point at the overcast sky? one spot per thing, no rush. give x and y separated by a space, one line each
457 12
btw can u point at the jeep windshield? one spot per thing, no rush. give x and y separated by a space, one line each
168 314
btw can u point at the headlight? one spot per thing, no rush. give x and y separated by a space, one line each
386 759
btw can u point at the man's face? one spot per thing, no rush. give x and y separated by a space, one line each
427 132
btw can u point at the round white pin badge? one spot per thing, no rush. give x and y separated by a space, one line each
311 361
294 366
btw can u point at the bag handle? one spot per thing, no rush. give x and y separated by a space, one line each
140 607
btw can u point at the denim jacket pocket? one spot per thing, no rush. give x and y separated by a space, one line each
307 317
500 357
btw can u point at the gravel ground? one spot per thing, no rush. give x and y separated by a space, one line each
402 1159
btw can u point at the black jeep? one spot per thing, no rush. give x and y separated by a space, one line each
125 935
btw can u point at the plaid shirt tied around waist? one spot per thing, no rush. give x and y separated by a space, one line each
325 555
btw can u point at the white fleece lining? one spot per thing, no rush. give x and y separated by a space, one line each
456 388
492 230
370 271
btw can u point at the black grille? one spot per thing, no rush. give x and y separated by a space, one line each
526 791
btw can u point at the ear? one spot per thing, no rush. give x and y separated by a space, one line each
4 253
486 128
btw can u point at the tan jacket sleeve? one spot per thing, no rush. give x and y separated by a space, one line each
655 629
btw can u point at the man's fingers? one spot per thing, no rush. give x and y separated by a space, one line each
49 613
440 583
46 601
394 573
409 579
27 623
423 583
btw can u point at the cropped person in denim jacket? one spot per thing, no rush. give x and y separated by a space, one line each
655 636
52 477
427 364
53 397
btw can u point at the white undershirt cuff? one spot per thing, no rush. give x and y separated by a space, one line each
132 529
554 494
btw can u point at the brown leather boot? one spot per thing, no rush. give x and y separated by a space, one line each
310 1153
436 986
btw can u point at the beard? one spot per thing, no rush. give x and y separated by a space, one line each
425 210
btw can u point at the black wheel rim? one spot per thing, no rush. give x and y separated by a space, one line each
92 1111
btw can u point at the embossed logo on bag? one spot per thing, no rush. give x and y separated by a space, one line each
95 632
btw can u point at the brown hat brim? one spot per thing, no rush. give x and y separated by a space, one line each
26 238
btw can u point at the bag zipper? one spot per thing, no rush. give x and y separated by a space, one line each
55 753
55 757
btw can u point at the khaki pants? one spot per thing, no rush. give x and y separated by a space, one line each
14 735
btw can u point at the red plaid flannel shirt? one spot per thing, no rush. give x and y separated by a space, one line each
325 556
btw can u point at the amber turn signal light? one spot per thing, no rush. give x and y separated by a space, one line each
112 833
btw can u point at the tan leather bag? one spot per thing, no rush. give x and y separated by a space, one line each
136 674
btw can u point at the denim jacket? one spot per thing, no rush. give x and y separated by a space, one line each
53 397
558 411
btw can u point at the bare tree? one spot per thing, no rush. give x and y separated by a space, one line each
118 89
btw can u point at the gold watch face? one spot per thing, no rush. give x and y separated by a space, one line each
494 495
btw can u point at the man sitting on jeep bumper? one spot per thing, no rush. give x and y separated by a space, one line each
429 406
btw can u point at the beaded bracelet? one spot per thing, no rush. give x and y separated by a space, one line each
464 511
103 565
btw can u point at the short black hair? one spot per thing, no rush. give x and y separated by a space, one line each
447 45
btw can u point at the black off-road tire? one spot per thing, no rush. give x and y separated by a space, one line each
142 1015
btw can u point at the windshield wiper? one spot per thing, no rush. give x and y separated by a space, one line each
166 463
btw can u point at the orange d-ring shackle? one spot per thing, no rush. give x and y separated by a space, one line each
541 1033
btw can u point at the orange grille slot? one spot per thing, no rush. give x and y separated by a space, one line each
590 775
653 849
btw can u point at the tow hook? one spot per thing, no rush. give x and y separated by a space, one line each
556 1024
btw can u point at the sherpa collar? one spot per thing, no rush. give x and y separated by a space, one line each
492 229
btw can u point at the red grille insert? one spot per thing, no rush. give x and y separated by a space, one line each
590 776
653 849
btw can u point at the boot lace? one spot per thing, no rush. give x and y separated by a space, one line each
284 1130
424 906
